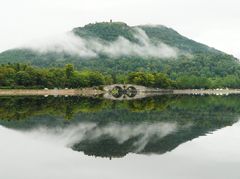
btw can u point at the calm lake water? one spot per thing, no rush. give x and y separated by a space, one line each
182 137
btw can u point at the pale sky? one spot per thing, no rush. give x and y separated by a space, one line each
213 22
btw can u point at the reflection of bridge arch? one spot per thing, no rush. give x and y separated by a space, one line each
131 91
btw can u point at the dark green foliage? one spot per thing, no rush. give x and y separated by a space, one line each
26 76
150 79
106 31
69 71
17 75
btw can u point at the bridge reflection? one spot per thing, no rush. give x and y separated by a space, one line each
131 92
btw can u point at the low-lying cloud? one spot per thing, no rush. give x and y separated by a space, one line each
89 48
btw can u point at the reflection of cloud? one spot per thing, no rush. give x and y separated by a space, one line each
122 133
75 45
143 132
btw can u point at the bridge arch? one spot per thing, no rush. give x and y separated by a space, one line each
124 91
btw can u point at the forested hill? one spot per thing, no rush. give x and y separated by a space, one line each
111 31
116 48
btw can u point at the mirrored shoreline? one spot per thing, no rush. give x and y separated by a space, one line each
109 128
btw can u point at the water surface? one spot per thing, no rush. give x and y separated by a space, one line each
158 137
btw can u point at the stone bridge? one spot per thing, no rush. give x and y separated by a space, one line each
124 91
125 86
129 91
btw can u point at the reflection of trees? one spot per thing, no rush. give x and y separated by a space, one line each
202 114
151 104
15 108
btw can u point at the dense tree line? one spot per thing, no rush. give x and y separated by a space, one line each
26 76
151 79
21 75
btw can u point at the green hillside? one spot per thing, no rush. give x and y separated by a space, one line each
193 59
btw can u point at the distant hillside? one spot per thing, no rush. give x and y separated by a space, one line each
117 48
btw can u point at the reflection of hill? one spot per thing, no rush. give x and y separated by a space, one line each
151 125
108 145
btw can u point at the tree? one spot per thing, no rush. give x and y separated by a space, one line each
23 78
162 81
7 76
69 69
141 78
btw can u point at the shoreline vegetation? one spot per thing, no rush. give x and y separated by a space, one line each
23 76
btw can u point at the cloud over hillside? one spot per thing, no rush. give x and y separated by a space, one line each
74 45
